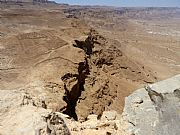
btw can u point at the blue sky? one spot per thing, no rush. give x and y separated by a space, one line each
120 3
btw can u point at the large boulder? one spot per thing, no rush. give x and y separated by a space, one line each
155 112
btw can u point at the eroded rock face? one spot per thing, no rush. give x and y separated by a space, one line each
94 87
154 114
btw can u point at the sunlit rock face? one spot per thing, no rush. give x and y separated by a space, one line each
148 114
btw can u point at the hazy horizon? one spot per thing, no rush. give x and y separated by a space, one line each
124 3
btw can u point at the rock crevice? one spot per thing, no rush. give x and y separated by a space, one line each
73 86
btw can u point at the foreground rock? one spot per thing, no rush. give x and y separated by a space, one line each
155 112
21 114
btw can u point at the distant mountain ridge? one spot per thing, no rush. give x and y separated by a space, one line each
26 1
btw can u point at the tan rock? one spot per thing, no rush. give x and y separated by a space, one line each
109 115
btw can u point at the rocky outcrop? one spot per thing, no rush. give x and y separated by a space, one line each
19 115
109 124
76 85
154 110
56 125
93 88
150 110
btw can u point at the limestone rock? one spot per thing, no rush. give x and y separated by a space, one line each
56 125
20 115
27 120
92 117
160 117
109 115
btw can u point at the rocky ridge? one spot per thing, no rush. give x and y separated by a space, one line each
100 60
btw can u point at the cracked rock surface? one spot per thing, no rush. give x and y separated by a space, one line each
154 117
